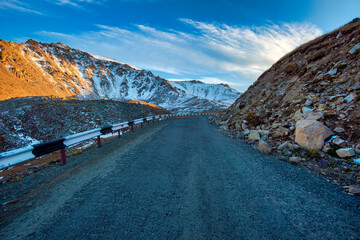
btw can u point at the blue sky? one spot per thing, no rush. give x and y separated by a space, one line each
230 41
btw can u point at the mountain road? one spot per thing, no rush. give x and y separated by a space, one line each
177 179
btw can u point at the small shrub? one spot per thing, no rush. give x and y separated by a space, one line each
313 153
76 153
253 120
290 67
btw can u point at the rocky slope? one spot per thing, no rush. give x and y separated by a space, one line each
306 106
31 120
42 69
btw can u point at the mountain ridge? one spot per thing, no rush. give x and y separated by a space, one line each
41 69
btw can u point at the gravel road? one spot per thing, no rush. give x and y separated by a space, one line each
179 179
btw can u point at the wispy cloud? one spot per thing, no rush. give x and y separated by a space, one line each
18 6
235 54
77 3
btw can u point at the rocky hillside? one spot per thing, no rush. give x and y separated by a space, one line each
32 120
42 69
308 99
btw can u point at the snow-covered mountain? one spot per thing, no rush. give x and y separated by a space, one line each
219 93
42 69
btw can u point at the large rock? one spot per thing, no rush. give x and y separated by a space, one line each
311 134
264 147
254 135
345 152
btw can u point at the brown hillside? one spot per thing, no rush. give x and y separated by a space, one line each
20 77
322 75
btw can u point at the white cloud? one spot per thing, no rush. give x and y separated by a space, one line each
235 54
77 3
18 6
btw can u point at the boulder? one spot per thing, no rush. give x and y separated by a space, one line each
254 135
264 147
311 134
345 152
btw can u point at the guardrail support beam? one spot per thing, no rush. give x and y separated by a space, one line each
119 134
63 157
141 125
98 141
132 128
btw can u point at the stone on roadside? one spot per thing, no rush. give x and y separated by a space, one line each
345 152
264 133
339 100
238 126
353 50
356 86
308 102
315 116
354 189
338 141
311 134
297 116
327 147
254 135
283 146
280 132
295 159
350 97
306 110
223 127
293 147
339 130
264 147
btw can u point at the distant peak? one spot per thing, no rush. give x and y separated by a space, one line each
60 44
31 41
196 81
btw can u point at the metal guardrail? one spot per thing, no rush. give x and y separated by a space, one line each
16 156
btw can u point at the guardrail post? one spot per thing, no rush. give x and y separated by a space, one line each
132 128
141 125
119 134
63 157
98 141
